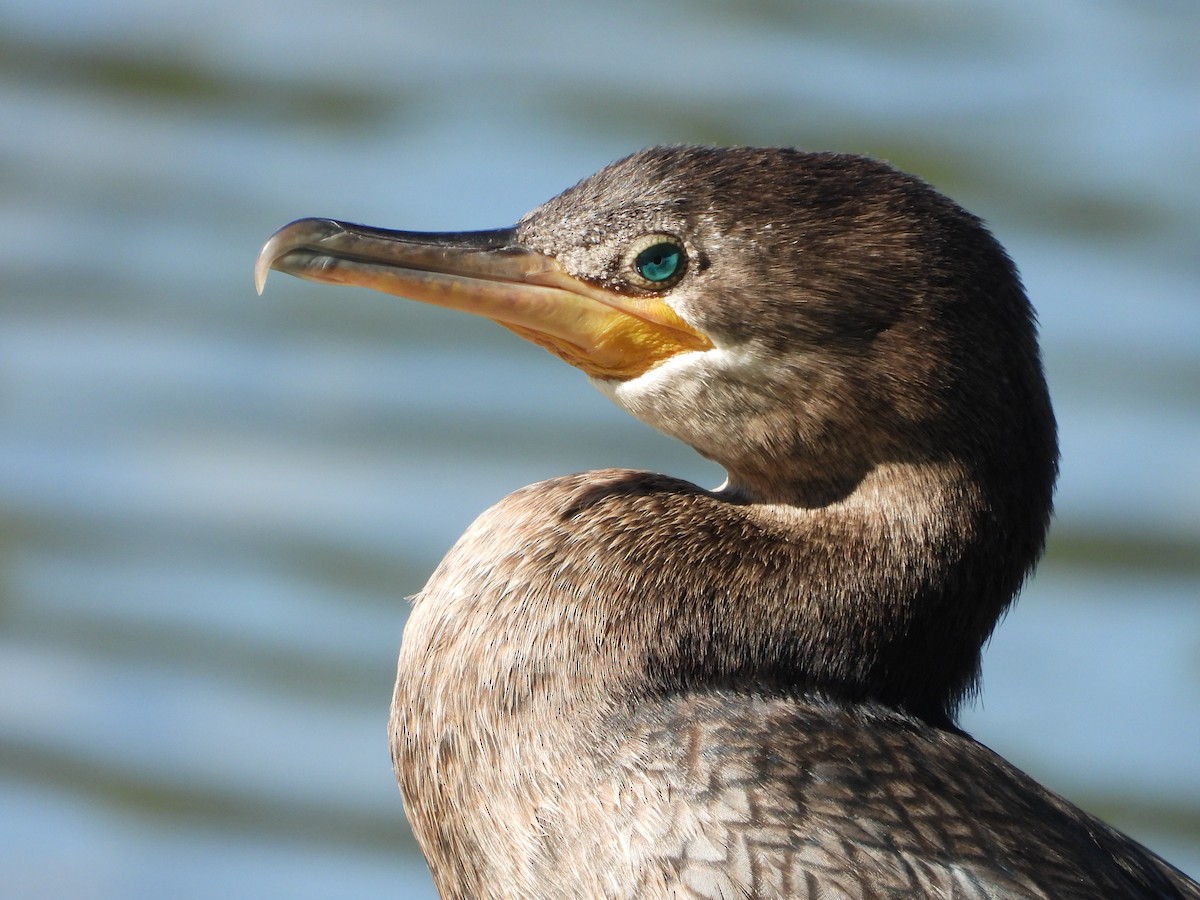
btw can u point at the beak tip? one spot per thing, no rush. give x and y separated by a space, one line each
262 267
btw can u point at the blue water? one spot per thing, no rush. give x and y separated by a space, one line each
212 505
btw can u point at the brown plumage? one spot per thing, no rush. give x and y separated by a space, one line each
618 684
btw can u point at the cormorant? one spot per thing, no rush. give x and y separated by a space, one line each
618 684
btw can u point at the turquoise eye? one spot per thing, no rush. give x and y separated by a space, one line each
659 262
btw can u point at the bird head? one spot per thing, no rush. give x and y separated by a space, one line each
800 318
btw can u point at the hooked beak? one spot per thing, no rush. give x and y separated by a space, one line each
608 335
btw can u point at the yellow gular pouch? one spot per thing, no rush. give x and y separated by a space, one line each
623 344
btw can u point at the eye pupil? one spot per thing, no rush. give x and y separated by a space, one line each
658 262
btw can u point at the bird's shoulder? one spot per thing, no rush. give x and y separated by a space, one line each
627 513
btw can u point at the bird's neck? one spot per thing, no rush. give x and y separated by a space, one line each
878 587
574 602
617 582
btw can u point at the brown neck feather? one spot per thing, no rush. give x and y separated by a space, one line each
573 602
620 583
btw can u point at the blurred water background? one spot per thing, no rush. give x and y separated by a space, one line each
212 505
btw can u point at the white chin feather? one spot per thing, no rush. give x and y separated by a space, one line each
688 398
651 396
